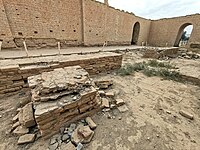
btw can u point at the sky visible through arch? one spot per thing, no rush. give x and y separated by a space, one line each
156 9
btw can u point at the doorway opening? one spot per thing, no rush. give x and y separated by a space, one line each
136 32
184 35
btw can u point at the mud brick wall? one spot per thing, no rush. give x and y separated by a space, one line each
14 73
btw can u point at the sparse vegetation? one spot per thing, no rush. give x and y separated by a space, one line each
151 68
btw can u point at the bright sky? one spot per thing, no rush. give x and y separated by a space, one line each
156 9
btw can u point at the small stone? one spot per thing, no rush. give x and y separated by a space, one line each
109 116
123 108
53 146
15 125
110 94
79 146
21 130
89 139
72 126
105 103
85 131
0 116
186 114
169 112
53 140
27 138
28 117
78 77
75 137
112 106
120 118
15 118
120 102
65 137
103 84
91 123
62 129
101 93
68 146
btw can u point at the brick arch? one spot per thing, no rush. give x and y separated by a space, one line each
135 34
180 32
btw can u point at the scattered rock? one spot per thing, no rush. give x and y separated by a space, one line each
27 138
15 125
53 140
0 116
169 112
15 119
21 130
103 84
105 103
120 102
91 123
110 94
65 137
68 146
53 146
76 138
89 139
79 146
123 108
112 106
85 131
102 93
186 114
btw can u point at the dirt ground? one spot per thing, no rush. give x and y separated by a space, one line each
153 121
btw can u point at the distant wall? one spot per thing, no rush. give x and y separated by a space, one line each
104 23
166 30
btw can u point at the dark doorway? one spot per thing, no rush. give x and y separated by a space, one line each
136 32
183 35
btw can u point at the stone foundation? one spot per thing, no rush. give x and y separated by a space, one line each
14 72
62 96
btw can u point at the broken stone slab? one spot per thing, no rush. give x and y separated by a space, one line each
21 130
68 146
65 137
27 138
28 117
105 103
103 84
186 114
85 131
91 123
119 102
123 108
89 139
76 137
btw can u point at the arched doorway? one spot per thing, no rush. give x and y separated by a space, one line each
183 35
136 32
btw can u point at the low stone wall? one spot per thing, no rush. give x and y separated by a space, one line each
14 72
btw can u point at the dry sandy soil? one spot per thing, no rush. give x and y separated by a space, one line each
153 121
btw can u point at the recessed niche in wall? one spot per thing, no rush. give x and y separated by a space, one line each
20 33
90 30
8 42
3 10
50 30
16 9
63 30
36 17
17 14
74 30
97 34
35 32
3 34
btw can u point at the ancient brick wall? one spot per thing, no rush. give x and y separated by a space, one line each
104 23
43 23
166 30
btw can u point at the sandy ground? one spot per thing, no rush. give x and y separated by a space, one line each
153 121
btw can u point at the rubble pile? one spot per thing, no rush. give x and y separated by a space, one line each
62 96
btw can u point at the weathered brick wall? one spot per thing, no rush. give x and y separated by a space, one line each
14 74
104 23
166 30
43 23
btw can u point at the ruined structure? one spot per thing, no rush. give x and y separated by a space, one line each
84 22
